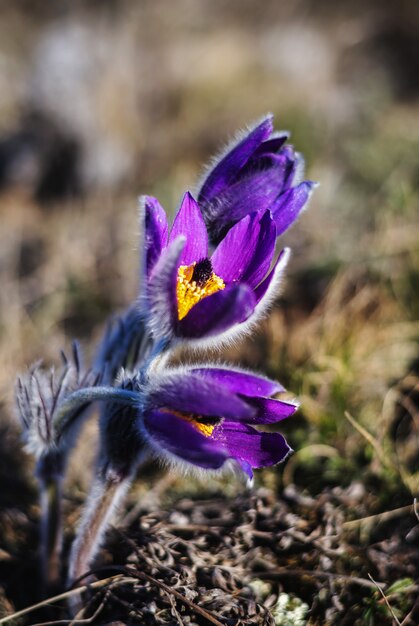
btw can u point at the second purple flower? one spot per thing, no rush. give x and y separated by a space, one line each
194 294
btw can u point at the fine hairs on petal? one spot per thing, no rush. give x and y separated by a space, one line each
142 248
179 467
161 297
274 287
173 463
185 369
196 393
300 168
153 236
279 134
228 147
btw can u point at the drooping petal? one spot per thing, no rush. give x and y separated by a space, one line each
190 223
233 159
245 254
156 229
161 299
239 381
170 434
244 443
218 312
289 205
195 394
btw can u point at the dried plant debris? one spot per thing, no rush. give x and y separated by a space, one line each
256 560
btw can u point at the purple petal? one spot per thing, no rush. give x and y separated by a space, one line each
284 162
171 434
240 382
269 286
293 164
218 312
270 411
245 254
233 159
190 223
188 393
289 205
244 443
155 231
161 293
246 467
255 191
273 144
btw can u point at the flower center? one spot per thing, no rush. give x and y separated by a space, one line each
205 427
195 282
204 424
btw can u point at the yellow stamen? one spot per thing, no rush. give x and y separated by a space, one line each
189 292
205 429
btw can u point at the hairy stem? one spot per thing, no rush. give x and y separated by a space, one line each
82 397
50 471
105 495
51 532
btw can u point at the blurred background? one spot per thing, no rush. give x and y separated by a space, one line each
101 101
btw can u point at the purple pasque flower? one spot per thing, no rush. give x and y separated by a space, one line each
257 171
204 416
193 294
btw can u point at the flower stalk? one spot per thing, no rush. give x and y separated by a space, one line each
122 450
52 407
79 399
51 531
105 495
